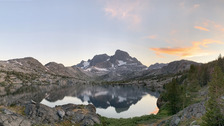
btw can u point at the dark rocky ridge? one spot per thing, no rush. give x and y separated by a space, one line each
157 66
124 56
177 66
99 59
60 69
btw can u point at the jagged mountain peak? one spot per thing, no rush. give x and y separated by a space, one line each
120 58
121 54
82 64
117 65
98 59
60 69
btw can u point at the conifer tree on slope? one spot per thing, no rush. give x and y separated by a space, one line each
214 114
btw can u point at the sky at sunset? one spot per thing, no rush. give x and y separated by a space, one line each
68 31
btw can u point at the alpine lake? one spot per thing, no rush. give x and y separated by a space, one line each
112 101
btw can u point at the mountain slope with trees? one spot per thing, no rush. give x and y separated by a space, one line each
197 97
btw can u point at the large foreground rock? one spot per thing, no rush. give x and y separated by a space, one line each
84 115
194 112
39 114
76 114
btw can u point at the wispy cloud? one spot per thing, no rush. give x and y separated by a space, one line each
151 37
125 10
201 28
219 27
213 26
191 51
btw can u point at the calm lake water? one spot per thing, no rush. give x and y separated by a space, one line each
110 100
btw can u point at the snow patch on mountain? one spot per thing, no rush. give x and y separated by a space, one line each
85 64
97 68
120 63
101 69
89 69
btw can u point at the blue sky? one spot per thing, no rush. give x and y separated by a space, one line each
68 31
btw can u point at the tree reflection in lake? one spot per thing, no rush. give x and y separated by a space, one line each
114 101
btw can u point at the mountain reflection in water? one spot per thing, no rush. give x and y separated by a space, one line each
116 101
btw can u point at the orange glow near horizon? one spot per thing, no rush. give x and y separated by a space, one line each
201 28
194 50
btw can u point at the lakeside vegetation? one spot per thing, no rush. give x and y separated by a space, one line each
132 121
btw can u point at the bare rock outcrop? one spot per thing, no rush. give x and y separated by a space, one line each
76 114
194 111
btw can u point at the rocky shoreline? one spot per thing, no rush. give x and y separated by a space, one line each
32 113
25 109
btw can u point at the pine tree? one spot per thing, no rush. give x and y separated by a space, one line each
214 116
221 62
173 96
203 76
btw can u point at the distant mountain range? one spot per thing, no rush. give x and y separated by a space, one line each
157 66
32 66
103 62
119 66
113 67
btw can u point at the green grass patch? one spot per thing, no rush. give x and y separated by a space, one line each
147 119
66 123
